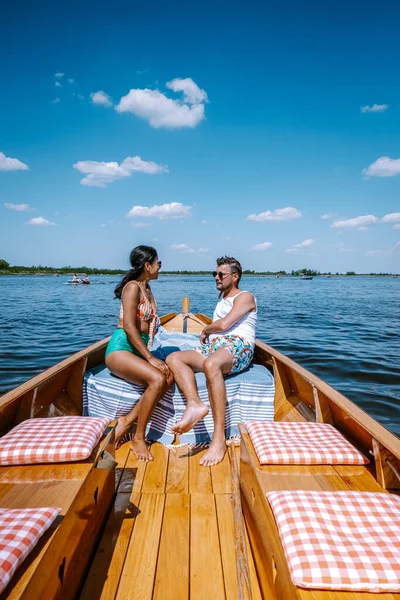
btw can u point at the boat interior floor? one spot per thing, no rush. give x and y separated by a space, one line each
170 534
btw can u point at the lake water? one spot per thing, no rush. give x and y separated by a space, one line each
345 330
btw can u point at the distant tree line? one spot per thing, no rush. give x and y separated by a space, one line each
7 269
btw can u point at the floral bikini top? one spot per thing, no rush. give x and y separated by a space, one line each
145 312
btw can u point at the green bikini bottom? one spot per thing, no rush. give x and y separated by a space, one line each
120 341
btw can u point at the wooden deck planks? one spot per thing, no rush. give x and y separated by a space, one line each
178 471
137 577
172 574
199 477
221 476
156 471
206 575
105 572
223 504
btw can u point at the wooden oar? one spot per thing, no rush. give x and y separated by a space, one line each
242 564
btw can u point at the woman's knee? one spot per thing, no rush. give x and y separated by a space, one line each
157 380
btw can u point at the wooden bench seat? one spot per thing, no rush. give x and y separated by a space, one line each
256 480
74 487
170 535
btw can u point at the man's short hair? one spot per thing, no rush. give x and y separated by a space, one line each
234 264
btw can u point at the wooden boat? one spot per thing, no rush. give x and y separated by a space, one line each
171 529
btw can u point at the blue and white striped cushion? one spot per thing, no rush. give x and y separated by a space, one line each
250 396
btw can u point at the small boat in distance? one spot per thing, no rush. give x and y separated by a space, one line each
307 277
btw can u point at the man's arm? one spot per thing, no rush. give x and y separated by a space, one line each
243 304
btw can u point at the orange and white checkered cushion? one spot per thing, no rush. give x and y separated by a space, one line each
279 443
340 540
56 439
20 530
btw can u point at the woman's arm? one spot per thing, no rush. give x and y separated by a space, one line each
130 301
244 304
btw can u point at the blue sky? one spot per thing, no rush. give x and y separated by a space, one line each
219 128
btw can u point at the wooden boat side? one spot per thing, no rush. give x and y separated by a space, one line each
270 561
84 491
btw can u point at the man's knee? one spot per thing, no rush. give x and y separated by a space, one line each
212 366
173 360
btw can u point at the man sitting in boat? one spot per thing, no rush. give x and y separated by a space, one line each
227 348
86 279
76 279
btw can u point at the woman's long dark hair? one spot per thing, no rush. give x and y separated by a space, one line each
138 258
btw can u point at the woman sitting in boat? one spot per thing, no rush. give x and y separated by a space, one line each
128 352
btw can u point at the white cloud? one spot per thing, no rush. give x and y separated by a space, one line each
18 207
374 108
391 218
280 214
99 174
174 210
203 222
70 80
396 226
103 225
383 167
183 248
374 252
58 84
297 247
81 97
356 222
192 94
162 111
263 246
140 224
40 221
59 75
203 250
101 98
227 237
328 216
362 228
55 101
397 245
11 164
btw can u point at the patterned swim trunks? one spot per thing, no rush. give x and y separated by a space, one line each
241 351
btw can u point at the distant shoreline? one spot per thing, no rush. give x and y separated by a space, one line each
107 273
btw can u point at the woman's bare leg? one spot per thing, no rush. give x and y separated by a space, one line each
136 370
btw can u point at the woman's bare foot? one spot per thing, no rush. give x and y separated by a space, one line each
141 450
215 454
195 412
123 427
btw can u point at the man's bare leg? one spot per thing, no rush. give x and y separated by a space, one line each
183 366
215 367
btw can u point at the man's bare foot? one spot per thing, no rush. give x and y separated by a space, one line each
195 412
123 427
141 450
214 455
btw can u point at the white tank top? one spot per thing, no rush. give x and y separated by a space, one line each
245 327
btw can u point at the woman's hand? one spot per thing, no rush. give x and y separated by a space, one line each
204 337
160 365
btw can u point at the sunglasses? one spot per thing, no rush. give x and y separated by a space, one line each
221 276
159 264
